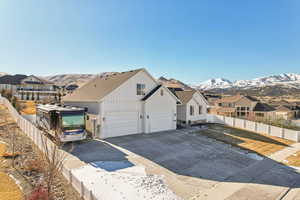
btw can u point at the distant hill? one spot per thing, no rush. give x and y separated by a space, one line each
67 79
3 73
78 79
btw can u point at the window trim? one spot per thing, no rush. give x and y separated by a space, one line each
200 110
140 89
192 111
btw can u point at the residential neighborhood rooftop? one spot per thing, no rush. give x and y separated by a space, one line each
99 87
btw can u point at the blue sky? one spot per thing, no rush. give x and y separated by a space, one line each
190 40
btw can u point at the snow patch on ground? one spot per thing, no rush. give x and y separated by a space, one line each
119 185
254 156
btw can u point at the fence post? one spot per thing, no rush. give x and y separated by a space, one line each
70 176
255 127
244 124
269 129
91 195
233 123
81 189
282 132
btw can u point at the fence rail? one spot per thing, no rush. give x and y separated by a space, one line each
39 139
255 127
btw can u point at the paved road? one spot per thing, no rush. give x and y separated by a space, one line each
195 167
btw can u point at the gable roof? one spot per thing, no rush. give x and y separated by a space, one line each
263 107
156 89
284 108
235 98
185 96
12 79
99 87
151 93
43 81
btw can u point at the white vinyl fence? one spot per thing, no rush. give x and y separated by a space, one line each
41 141
255 127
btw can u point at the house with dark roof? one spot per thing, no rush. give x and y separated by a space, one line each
243 106
193 107
28 87
263 111
35 88
125 103
11 82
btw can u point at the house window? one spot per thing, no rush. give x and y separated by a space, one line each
259 114
200 110
140 89
220 104
161 92
191 110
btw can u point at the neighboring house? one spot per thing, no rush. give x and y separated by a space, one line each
35 88
27 87
243 106
11 82
193 107
263 111
235 106
127 103
71 88
286 112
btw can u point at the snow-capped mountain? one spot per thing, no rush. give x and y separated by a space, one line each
215 83
289 80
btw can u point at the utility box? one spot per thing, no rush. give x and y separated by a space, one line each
93 125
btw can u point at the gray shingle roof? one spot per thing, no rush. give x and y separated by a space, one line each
99 87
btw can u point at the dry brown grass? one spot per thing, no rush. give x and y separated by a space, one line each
9 190
262 144
29 108
293 160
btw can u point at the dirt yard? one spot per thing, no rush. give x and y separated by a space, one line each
9 190
293 160
261 144
28 107
28 169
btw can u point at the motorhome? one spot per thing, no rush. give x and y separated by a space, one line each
65 123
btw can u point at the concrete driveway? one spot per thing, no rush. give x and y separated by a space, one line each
195 166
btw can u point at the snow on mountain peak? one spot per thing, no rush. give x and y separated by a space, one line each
287 79
215 83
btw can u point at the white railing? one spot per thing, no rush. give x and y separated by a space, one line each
255 127
40 140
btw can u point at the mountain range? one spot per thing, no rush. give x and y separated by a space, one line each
287 80
78 79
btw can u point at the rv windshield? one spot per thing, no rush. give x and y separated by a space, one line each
70 122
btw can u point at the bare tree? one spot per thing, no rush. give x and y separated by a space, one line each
53 159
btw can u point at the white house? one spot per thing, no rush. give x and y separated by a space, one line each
193 107
126 103
35 88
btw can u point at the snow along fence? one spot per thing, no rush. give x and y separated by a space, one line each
255 127
41 141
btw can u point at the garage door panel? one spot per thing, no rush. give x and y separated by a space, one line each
160 121
121 123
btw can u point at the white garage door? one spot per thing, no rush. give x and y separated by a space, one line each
160 121
121 123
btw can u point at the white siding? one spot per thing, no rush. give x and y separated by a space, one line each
160 112
196 101
181 112
122 102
